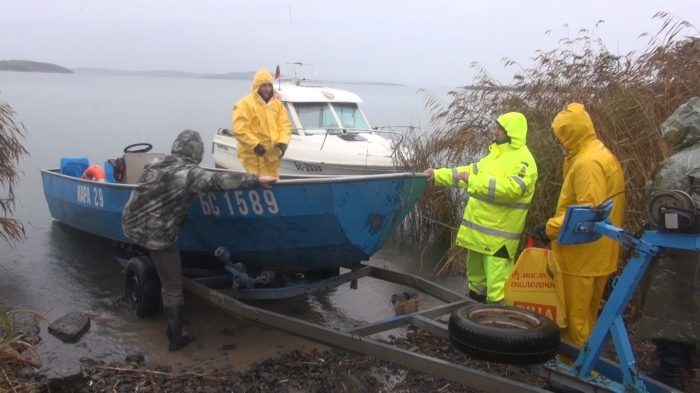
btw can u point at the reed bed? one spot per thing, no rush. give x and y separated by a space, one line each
18 337
11 150
628 97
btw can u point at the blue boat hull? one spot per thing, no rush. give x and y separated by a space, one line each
306 224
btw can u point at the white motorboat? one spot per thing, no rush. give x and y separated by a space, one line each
330 134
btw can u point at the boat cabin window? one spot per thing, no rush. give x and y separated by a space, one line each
315 117
291 118
351 116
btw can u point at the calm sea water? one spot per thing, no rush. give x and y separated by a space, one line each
56 270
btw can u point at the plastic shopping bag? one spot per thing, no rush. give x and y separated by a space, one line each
535 284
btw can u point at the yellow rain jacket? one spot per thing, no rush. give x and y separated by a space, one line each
592 174
256 122
500 188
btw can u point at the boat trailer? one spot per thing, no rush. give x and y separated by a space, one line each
589 373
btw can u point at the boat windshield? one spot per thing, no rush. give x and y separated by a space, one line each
315 117
351 116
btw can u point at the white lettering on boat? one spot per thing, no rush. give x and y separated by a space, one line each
222 146
90 195
84 194
242 203
97 197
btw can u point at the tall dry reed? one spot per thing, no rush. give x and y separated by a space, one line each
628 97
17 349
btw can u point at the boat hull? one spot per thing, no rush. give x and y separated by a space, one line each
305 224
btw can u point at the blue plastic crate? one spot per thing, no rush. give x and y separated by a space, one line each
74 166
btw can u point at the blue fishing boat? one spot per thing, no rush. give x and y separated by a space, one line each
303 224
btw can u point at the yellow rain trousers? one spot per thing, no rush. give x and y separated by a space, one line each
488 274
257 122
500 188
592 175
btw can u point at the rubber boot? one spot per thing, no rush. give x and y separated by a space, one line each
177 339
475 296
670 375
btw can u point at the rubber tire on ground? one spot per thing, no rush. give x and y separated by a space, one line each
142 286
504 334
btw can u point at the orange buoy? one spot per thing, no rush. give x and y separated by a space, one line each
94 173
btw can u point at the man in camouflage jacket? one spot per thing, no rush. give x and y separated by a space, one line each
671 308
157 210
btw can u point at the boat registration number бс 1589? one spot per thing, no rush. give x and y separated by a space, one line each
241 203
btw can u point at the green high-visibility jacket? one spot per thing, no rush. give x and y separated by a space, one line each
500 188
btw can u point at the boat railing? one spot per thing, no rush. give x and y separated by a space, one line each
394 135
299 81
294 78
400 138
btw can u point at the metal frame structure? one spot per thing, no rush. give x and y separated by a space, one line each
611 377
590 372
584 224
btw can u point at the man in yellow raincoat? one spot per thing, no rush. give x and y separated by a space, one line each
500 187
261 127
592 175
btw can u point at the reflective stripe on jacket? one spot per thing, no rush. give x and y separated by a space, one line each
500 189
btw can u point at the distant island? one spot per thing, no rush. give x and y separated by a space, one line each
175 74
32 66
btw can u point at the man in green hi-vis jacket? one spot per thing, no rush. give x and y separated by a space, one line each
500 187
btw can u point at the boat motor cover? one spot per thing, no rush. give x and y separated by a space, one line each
118 167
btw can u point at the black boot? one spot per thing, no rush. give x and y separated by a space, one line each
670 375
177 340
475 296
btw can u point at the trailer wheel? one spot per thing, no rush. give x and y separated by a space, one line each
142 286
504 334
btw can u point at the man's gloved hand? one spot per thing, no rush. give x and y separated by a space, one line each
283 148
259 150
539 232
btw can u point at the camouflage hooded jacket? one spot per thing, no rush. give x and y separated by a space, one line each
671 309
157 208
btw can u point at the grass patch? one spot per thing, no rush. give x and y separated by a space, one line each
18 353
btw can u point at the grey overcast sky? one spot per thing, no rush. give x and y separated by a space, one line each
422 43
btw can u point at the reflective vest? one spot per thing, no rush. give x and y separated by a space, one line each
500 189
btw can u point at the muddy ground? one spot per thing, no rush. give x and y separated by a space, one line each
314 370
